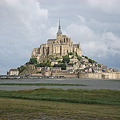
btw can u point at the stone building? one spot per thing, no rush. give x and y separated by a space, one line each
58 47
13 72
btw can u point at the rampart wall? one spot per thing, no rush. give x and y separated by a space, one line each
67 75
115 75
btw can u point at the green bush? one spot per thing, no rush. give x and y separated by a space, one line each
70 53
66 59
62 65
21 68
48 63
33 61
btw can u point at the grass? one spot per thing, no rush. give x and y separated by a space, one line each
105 97
14 109
58 104
40 84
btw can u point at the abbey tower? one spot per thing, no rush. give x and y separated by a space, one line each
58 47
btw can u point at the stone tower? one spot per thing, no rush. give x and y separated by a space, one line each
59 29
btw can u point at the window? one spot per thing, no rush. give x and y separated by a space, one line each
64 40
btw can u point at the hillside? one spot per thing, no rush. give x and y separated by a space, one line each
71 63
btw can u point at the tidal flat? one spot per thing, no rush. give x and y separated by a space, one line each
67 83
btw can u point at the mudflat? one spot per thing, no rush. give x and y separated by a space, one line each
89 84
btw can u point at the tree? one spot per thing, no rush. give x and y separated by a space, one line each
33 61
21 68
66 59
63 66
70 53
91 61
48 63
99 65
86 57
41 65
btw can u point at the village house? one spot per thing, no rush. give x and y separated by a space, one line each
46 71
14 72
55 69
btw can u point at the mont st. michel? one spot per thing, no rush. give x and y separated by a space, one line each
60 57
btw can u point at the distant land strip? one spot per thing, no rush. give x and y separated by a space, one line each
39 84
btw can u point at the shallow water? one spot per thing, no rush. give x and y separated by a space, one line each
91 84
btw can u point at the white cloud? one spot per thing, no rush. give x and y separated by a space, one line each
22 26
108 6
95 45
51 33
82 19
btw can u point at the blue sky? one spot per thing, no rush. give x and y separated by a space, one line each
25 24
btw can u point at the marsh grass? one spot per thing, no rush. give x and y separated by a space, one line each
39 84
14 109
58 104
103 97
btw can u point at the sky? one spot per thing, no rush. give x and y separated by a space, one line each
25 24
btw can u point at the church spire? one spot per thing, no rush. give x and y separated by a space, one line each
59 29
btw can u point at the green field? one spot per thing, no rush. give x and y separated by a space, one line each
58 104
39 84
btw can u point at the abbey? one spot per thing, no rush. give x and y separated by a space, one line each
58 47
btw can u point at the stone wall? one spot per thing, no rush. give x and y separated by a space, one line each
67 75
115 75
